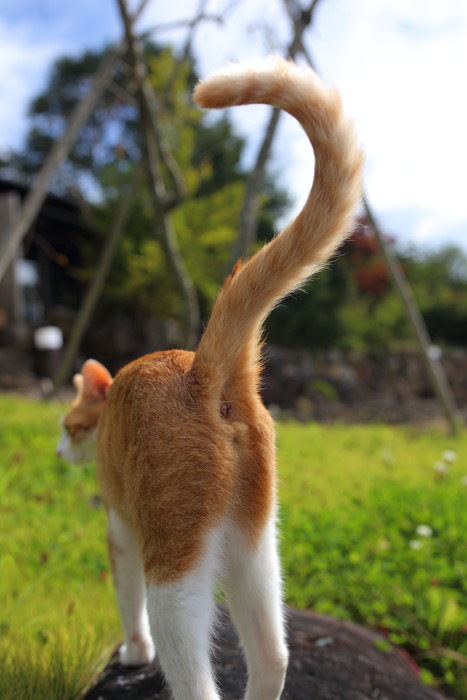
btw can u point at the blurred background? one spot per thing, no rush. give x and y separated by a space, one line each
122 209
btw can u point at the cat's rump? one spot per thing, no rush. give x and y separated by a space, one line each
228 355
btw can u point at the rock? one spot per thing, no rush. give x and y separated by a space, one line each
329 660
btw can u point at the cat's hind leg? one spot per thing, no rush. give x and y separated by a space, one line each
128 575
182 615
253 590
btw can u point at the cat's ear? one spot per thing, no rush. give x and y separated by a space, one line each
96 381
78 381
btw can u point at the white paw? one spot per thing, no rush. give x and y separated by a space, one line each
139 651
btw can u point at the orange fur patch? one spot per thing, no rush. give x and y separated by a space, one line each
171 466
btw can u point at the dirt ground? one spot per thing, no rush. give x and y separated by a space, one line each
329 660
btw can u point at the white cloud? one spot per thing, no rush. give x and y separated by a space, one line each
400 67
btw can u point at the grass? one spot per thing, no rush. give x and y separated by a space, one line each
353 500
57 617
374 521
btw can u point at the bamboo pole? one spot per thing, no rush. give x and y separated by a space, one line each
155 153
430 360
95 289
55 158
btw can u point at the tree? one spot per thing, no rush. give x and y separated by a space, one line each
102 161
351 304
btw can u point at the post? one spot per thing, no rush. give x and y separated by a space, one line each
95 288
432 363
155 152
10 312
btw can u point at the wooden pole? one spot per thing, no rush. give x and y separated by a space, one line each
95 289
432 363
155 153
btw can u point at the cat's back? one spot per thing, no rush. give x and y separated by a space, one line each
160 442
148 396
150 375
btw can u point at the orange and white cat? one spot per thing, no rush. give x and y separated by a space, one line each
185 447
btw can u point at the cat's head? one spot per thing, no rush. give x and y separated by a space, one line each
79 425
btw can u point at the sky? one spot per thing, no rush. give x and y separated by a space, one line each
399 65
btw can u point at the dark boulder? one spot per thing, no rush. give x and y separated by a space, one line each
329 660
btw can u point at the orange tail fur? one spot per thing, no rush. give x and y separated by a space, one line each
229 351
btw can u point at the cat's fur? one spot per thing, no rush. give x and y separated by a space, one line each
185 447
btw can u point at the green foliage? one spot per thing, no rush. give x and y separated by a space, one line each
352 304
139 282
375 326
353 500
207 153
207 228
439 280
313 318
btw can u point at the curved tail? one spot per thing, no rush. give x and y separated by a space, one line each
229 351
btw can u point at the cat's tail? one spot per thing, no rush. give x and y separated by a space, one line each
229 351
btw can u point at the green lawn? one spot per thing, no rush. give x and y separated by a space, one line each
57 614
374 522
353 500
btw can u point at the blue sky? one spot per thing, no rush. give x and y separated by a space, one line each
399 65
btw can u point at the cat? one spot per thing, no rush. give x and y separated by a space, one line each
185 446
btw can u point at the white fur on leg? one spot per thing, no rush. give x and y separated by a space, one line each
138 647
254 595
181 616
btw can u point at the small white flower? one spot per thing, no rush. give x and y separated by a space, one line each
449 456
424 531
415 545
441 468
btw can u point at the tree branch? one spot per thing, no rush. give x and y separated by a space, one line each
193 25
